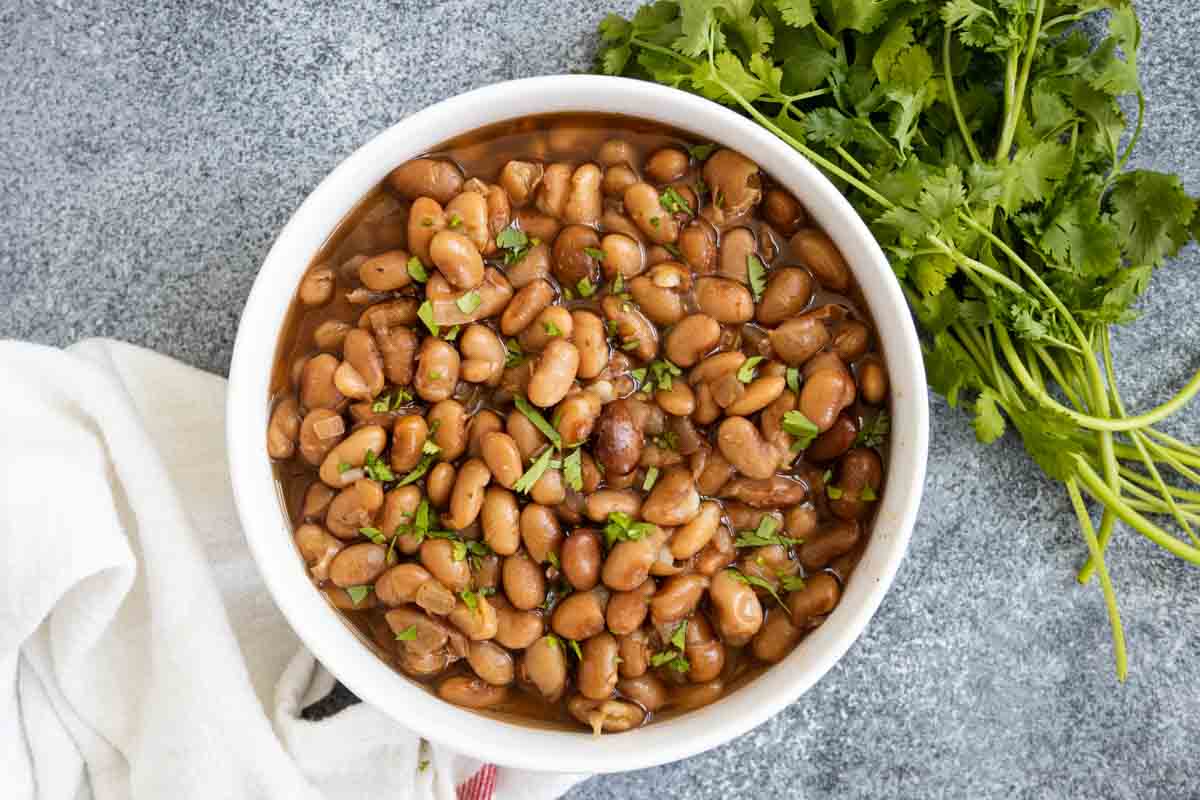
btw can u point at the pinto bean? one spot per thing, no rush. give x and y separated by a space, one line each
317 387
471 692
646 690
440 484
789 291
385 272
633 329
580 615
610 716
545 666
860 469
822 397
698 245
743 447
783 212
534 266
449 417
677 598
358 564
491 662
492 296
482 423
426 177
553 322
735 181
503 458
835 540
284 428
483 353
619 438
520 179
819 596
437 556
540 532
679 400
426 218
477 621
398 586
662 304
523 581
623 256
574 256
398 346
552 193
528 438
582 557
776 638
629 562
352 451
774 492
598 669
872 380
737 246
585 199
318 549
399 506
704 651
816 251
515 629
469 210
437 373
725 300
673 500
739 612
316 501
501 521
457 258
759 394
316 289
466 501
690 538
834 442
691 339
331 334
526 304
553 373
429 635
644 208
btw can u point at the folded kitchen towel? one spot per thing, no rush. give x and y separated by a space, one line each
140 655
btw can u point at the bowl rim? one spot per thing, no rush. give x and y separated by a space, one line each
268 531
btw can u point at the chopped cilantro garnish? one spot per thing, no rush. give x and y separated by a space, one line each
535 472
376 469
596 253
674 202
416 270
700 152
754 580
801 427
764 535
746 371
425 314
621 527
793 379
358 593
573 470
469 302
514 356
551 329
651 477
539 422
874 431
757 273
408 634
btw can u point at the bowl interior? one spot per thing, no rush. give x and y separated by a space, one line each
268 530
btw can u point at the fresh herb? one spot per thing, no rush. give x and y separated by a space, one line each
573 470
409 634
639 375
801 427
757 582
416 270
655 222
535 472
419 470
874 431
469 302
793 379
585 287
374 534
673 655
567 293
515 244
596 253
551 329
555 592
834 492
622 528
611 327
452 334
985 146
867 495
469 598
747 370
791 583
435 374
651 477
574 645
672 249
629 343
552 559
764 535
667 440
674 202
700 152
514 356
618 285
756 272
454 221
392 402
423 765
539 422
425 314
358 593
344 466
663 373
376 469
430 448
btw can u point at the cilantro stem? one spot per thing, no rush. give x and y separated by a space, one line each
1056 373
1017 104
849 159
952 96
1110 595
1099 489
1133 477
971 265
1181 448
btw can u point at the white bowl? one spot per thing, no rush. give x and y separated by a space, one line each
270 534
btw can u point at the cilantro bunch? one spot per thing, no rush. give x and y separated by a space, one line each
982 142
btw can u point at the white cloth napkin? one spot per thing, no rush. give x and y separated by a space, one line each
140 655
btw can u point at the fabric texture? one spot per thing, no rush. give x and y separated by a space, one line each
140 654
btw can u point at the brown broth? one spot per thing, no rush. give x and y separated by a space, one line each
378 224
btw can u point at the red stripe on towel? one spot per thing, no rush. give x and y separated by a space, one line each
481 786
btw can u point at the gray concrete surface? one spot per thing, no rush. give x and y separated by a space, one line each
149 153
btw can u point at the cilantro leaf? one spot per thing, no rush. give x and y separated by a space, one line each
539 422
757 275
535 472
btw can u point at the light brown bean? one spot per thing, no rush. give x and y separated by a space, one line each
466 500
528 438
577 415
819 596
677 598
674 500
491 662
725 300
629 562
456 257
426 219
831 542
739 612
788 293
483 355
525 306
598 670
284 428
644 208
582 557
523 581
317 387
399 506
449 417
316 289
553 373
545 666
704 650
759 394
426 177
520 179
585 199
437 371
776 638
540 532
822 397
503 458
679 400
743 447
591 340
469 692
477 621
353 508
667 165
318 549
816 251
352 451
501 521
634 650
398 586
385 272
735 182
552 194
440 484
358 565
579 615
690 538
692 339
437 556
872 380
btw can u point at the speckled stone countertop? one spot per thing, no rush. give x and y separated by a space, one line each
151 152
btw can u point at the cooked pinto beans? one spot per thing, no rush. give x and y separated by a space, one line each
552 434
